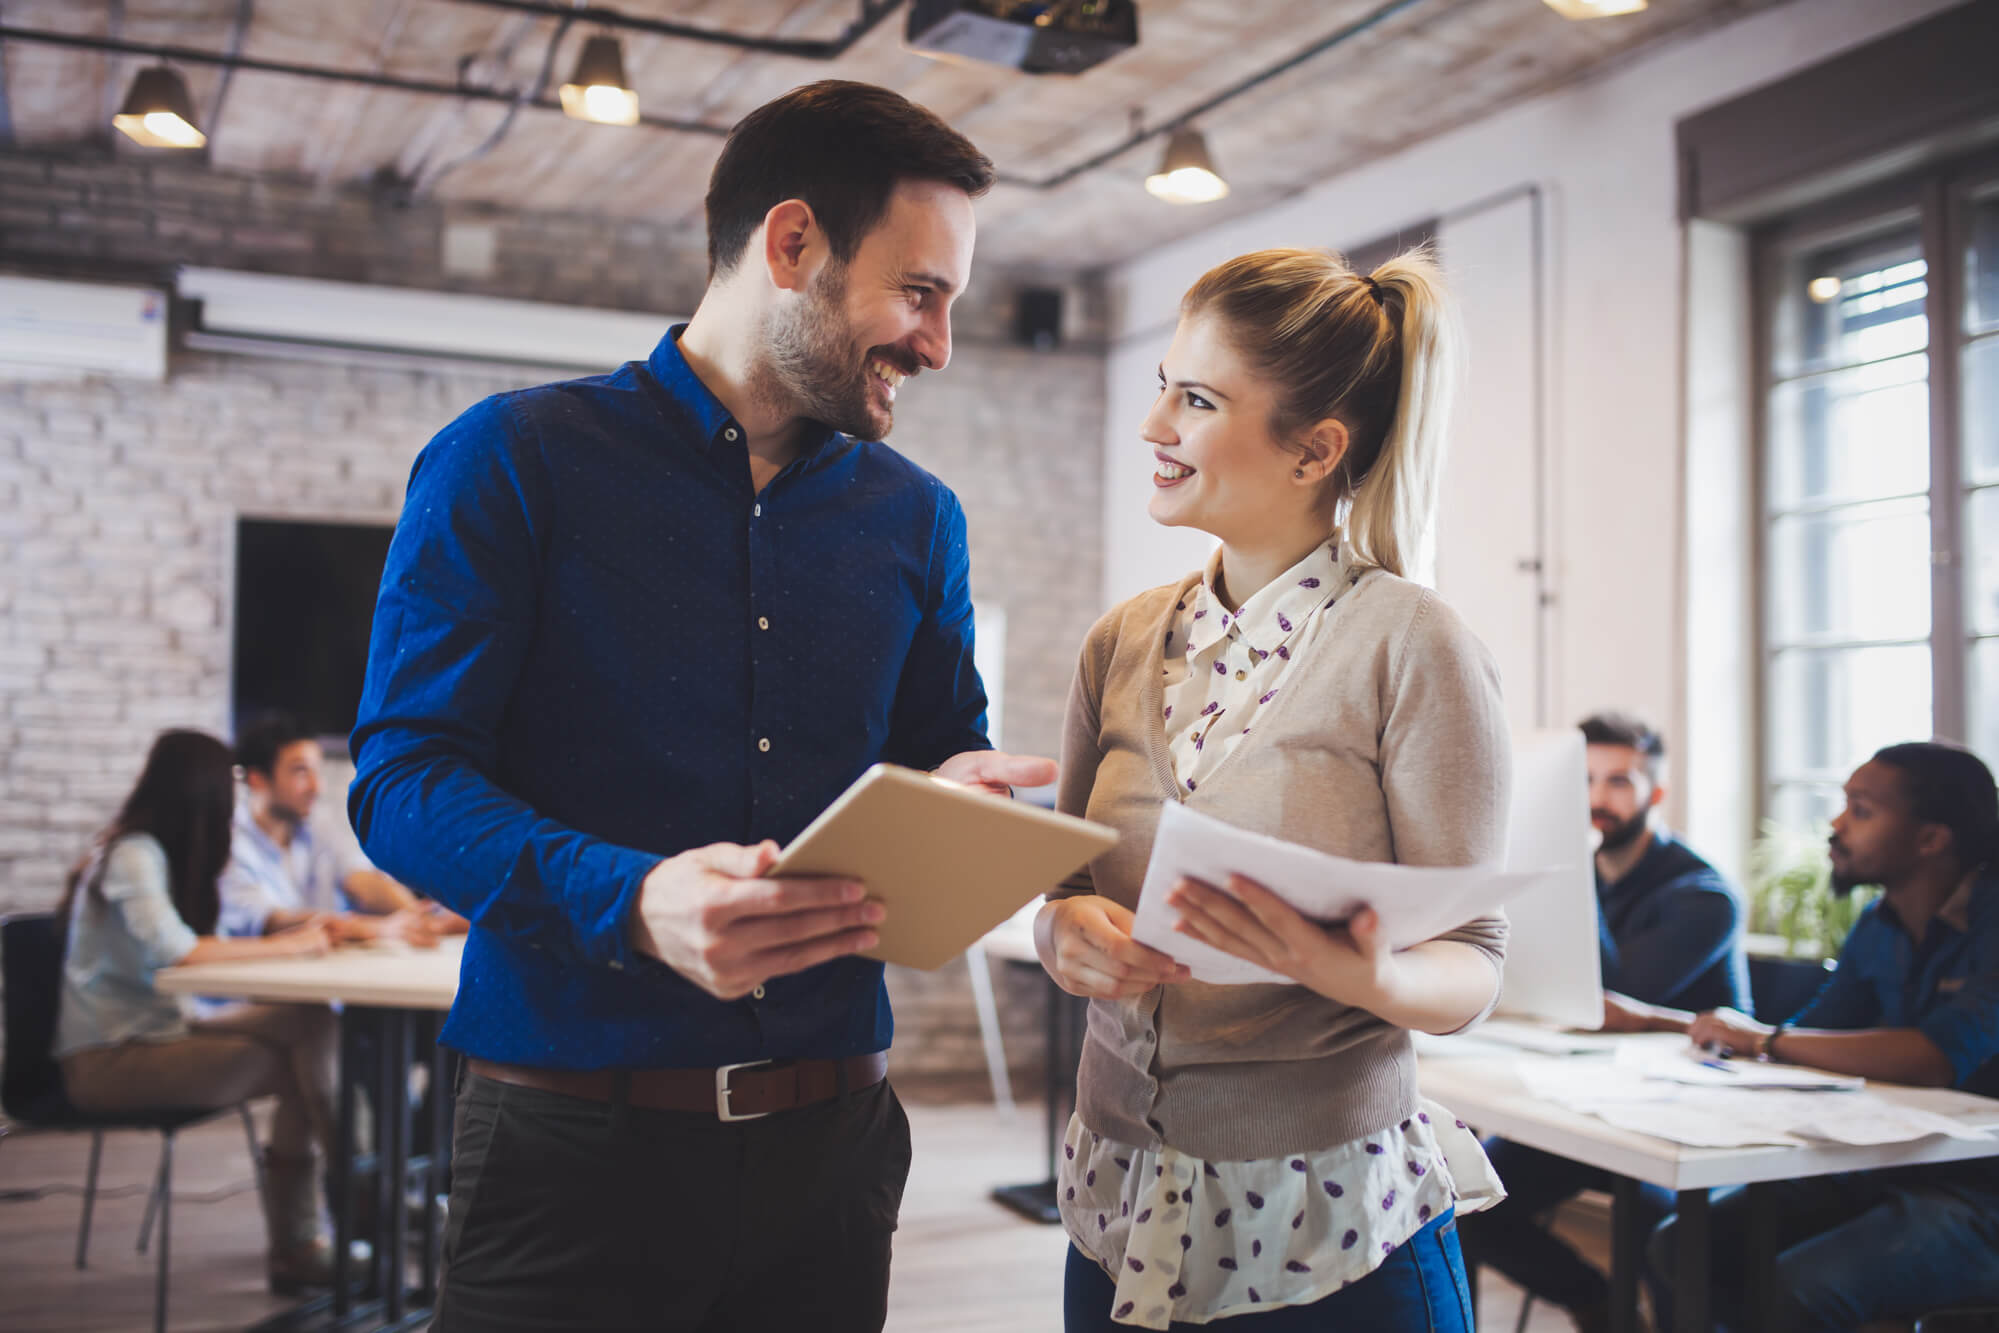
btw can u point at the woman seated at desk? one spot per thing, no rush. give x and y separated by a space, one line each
146 898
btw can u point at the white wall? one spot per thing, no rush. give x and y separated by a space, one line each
1601 152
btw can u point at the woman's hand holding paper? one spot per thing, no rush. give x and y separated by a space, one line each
1086 945
1350 963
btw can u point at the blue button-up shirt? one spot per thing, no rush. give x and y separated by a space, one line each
1670 931
596 646
1947 987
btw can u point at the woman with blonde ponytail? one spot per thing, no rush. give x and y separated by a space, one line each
1260 1152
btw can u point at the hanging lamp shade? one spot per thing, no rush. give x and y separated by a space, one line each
597 90
1187 174
1594 9
158 112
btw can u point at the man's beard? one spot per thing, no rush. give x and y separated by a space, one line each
1619 836
811 368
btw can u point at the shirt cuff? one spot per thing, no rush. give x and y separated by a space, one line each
616 874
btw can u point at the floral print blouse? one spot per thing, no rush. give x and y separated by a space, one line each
1193 1240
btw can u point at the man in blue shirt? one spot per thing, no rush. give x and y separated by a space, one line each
1915 1000
634 632
1669 936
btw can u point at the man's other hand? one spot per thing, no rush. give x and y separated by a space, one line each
997 773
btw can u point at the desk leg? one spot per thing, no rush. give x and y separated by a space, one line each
1690 1281
396 1165
1627 1255
433 1175
1063 1048
342 1167
1763 1293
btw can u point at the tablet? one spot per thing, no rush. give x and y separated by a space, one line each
949 862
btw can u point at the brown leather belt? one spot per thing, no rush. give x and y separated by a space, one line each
733 1092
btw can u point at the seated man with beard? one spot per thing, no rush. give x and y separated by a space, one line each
1669 933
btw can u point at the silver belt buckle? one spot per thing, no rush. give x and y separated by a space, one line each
722 1090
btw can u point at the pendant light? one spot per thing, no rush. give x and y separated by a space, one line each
158 112
1187 174
597 90
1594 9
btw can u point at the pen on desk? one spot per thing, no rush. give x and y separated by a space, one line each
1713 1055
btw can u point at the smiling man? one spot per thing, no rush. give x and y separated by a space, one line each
635 631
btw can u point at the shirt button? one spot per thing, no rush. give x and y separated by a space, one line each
757 994
730 434
617 966
763 622
756 511
764 745
1242 675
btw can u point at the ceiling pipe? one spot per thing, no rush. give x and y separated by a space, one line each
871 15
423 87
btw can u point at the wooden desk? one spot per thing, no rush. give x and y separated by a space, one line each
389 991
1482 1089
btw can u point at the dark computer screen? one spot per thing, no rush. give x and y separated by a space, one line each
305 598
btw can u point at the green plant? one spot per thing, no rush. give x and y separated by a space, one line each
1790 892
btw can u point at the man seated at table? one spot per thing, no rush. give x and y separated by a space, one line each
281 872
1914 1000
1669 931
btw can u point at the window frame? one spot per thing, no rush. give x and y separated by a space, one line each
1938 200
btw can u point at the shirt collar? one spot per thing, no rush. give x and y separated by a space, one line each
1956 909
704 414
1276 610
246 827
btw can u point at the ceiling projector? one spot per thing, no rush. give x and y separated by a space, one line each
1038 36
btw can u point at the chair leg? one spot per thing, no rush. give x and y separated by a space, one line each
1526 1312
256 1155
89 1197
153 1199
166 1230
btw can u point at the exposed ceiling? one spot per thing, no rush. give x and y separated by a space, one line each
1410 70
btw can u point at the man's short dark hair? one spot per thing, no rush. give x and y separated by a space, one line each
264 738
1629 730
840 146
1949 785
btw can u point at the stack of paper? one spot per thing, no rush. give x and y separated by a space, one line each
1415 903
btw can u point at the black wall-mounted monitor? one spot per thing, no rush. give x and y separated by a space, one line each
305 599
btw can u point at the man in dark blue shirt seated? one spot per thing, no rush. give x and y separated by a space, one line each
1915 1000
1669 933
634 632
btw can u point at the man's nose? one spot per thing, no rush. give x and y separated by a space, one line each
932 343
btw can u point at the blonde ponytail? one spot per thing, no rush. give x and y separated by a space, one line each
1380 353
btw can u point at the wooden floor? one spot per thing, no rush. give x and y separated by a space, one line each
963 1263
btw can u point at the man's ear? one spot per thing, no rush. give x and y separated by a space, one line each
793 245
1933 840
1658 796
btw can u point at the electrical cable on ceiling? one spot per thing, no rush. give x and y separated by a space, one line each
422 183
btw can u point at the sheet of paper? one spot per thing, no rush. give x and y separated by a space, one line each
1416 903
1685 1064
1543 1039
1695 1126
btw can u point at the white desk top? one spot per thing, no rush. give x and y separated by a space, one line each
391 976
1482 1089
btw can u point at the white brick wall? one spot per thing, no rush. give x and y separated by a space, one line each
118 499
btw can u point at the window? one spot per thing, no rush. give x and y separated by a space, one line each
1880 482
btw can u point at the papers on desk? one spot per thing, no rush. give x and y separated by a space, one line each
1416 903
1684 1063
1645 1089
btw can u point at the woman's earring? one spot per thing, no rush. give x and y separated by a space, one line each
1298 472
